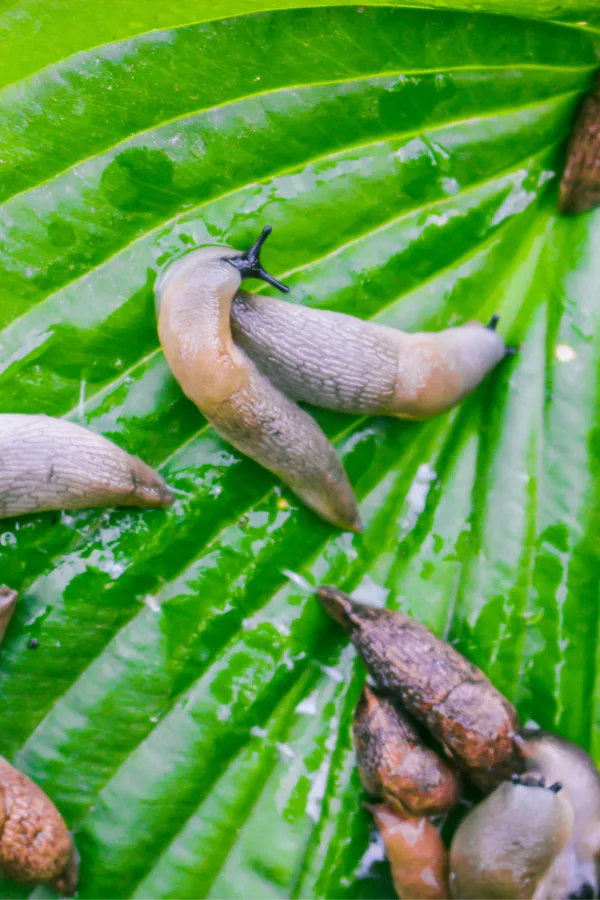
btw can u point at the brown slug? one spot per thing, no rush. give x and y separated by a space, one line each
35 844
507 846
342 363
8 601
436 684
395 765
52 464
416 853
580 183
194 297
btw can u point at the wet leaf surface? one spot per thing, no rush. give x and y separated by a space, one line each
188 706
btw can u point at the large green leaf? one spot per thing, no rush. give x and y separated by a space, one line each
188 705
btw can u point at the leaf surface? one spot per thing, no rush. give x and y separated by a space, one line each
188 706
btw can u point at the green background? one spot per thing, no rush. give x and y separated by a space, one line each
188 706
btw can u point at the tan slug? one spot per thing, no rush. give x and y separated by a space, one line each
340 362
194 297
439 687
395 765
507 845
51 464
416 853
557 759
8 601
523 842
35 844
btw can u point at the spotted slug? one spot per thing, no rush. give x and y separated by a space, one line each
394 763
441 689
342 363
8 601
35 844
194 296
416 853
52 464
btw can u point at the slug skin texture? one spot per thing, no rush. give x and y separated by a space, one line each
52 464
194 303
395 764
342 363
441 689
580 184
35 844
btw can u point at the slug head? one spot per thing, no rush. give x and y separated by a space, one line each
350 614
557 759
444 367
508 843
478 349
249 264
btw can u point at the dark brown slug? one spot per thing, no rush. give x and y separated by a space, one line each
395 765
580 184
446 693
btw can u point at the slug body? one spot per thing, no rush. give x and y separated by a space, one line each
35 844
556 759
8 601
417 856
48 464
580 184
439 687
395 764
507 846
194 298
342 363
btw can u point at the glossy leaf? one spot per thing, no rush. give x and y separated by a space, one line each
188 705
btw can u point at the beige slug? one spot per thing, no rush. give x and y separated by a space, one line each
556 759
394 763
507 845
538 836
416 853
51 464
342 363
8 601
245 359
194 303
35 844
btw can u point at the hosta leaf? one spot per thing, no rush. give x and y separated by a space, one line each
188 705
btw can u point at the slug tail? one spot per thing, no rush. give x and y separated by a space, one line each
149 489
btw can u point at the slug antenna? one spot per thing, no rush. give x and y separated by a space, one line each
493 323
249 264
